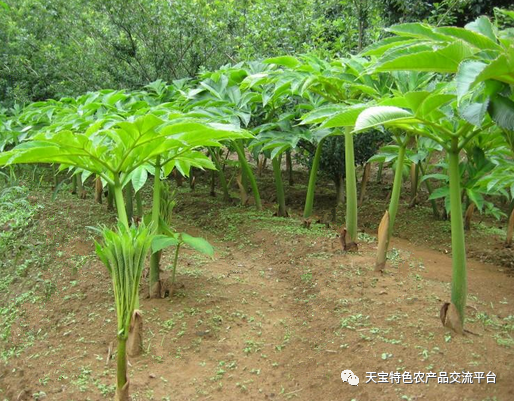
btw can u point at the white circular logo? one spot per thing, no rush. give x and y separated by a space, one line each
348 376
353 380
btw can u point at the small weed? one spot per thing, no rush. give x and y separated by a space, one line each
363 237
40 395
306 277
168 324
354 321
83 379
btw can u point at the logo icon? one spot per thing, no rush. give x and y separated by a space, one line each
348 376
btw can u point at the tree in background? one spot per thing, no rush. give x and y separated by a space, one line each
55 48
446 12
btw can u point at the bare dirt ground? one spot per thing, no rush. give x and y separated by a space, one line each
278 313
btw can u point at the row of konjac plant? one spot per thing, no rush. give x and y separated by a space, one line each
426 93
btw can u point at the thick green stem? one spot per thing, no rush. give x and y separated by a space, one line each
221 174
351 185
175 260
156 210
249 174
364 183
379 172
244 178
110 197
191 179
414 180
121 363
435 210
281 198
459 275
80 187
139 204
397 188
289 164
74 184
120 203
393 209
129 204
309 201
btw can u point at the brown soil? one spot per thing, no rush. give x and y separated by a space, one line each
278 313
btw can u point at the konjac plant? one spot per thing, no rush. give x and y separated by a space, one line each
433 115
480 57
114 152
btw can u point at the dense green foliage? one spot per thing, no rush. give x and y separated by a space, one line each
54 48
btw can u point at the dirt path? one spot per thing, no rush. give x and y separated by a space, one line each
277 315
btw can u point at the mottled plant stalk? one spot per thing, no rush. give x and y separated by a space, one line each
309 201
129 204
435 210
175 260
364 182
459 274
281 198
154 276
80 188
351 185
110 197
393 207
121 373
221 174
139 204
397 188
74 184
379 172
289 164
249 174
120 203
414 181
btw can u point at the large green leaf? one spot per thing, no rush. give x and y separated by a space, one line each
501 110
160 242
482 25
380 47
473 72
345 118
433 103
467 75
442 192
417 30
437 59
436 176
383 115
320 114
475 39
286 61
474 113
195 133
139 177
127 146
476 197
198 243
